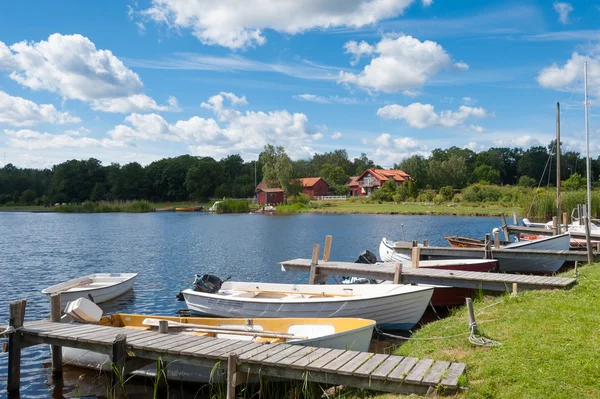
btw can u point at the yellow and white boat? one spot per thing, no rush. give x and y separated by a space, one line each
336 333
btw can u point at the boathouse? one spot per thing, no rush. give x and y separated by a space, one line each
314 186
269 196
372 179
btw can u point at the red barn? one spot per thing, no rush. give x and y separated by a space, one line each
270 196
314 186
372 179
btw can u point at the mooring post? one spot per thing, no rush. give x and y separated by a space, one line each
515 288
515 219
505 228
119 356
55 314
588 243
231 375
554 225
415 257
488 247
327 249
314 263
425 243
576 272
397 273
565 220
472 322
15 317
415 243
496 239
163 326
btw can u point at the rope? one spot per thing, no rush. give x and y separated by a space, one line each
418 339
9 330
480 341
541 179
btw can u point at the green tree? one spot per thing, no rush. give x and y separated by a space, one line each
202 179
526 181
416 167
485 173
574 182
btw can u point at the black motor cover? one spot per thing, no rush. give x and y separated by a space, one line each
367 257
207 283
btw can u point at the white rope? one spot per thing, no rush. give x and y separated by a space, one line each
418 339
9 330
480 341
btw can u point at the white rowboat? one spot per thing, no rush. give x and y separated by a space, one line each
99 287
391 306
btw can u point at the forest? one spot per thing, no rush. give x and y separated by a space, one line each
199 178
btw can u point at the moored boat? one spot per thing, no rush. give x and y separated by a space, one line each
100 287
336 333
466 242
391 306
186 209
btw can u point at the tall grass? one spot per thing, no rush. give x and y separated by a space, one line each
541 203
233 206
106 207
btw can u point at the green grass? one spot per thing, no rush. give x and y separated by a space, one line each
233 206
412 208
550 347
106 207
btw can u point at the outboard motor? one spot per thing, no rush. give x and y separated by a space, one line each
367 257
208 283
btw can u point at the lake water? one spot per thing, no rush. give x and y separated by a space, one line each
167 249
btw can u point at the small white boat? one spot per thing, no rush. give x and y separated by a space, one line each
99 287
391 306
336 333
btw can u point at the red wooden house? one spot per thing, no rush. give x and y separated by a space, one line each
372 179
314 186
269 196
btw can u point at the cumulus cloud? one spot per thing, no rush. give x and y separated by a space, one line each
231 131
426 3
238 25
325 100
34 140
18 111
563 10
336 135
571 73
398 63
71 66
423 115
389 150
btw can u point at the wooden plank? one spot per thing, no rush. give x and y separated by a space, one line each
201 344
275 349
254 352
177 342
450 380
435 373
153 342
317 364
232 348
311 357
387 367
220 343
370 365
339 361
273 360
197 341
306 350
401 371
355 363
418 372
252 346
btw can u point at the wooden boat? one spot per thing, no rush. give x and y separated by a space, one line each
188 209
391 306
164 209
337 333
99 288
465 242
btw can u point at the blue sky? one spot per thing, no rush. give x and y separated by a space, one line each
140 81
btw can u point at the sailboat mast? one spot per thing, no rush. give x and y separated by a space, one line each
587 143
558 207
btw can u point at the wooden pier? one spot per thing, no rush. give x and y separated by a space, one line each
409 275
131 349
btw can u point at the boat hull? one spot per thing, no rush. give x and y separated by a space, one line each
518 264
399 310
98 294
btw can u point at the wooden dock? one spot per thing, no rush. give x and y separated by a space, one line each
131 349
410 275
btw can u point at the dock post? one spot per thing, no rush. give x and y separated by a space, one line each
555 229
55 349
496 239
15 314
515 219
515 288
397 273
472 322
416 255
313 264
590 250
163 326
119 356
425 243
565 220
231 375
505 228
488 247
415 243
327 249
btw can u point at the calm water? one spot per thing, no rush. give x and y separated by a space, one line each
168 249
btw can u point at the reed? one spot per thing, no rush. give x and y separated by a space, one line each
106 207
233 206
541 203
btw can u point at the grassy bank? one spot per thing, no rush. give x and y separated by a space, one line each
549 345
463 209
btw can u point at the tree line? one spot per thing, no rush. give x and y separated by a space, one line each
188 177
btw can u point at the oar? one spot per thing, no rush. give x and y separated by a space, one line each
74 285
324 294
220 329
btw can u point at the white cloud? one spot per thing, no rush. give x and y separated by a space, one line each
563 10
325 100
237 25
401 63
477 128
389 150
336 135
571 73
423 115
524 141
34 140
71 66
469 100
232 131
411 93
426 3
133 103
18 111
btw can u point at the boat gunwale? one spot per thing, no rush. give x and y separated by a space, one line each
54 288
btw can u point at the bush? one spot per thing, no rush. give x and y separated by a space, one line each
292 208
526 181
233 206
575 182
299 199
481 193
382 195
447 192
